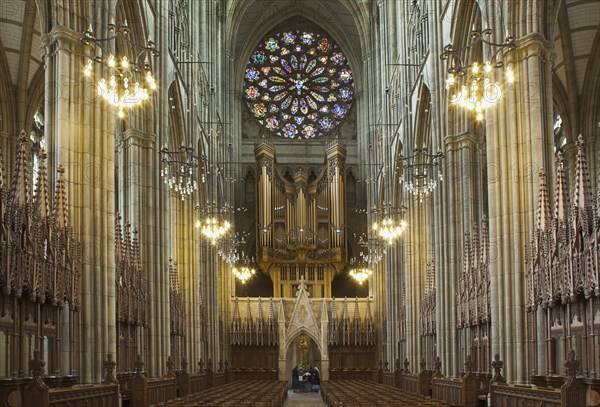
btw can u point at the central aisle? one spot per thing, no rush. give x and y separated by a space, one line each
304 400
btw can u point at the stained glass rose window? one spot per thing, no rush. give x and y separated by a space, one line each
298 84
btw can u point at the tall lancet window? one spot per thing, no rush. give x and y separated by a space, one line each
298 83
38 141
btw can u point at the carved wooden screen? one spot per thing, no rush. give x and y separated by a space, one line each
427 318
473 300
254 342
351 339
177 311
132 298
39 279
563 290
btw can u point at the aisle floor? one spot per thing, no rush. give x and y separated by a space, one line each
304 400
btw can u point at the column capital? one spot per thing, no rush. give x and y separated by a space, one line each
137 137
534 44
63 38
462 140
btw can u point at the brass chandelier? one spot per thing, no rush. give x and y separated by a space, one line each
179 170
473 85
360 271
213 222
420 173
216 213
390 223
244 269
125 82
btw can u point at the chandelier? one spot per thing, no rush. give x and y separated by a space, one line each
230 247
128 81
213 222
390 223
374 248
243 273
179 169
244 270
360 270
472 86
420 173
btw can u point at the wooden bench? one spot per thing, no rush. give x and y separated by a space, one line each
370 394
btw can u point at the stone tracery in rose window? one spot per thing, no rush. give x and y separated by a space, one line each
298 84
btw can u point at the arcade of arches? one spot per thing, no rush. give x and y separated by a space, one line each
211 219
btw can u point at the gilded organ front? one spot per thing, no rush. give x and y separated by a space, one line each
301 216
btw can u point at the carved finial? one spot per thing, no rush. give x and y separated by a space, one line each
582 198
543 216
41 200
406 365
36 365
200 366
397 365
1 170
468 365
139 365
170 367
226 365
109 369
561 204
423 364
20 183
302 286
438 368
571 365
386 366
380 364
118 238
220 365
497 368
60 209
209 364
184 364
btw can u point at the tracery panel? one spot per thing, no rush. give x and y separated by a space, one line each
39 276
563 290
298 83
132 298
473 299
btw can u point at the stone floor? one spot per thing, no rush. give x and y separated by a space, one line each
304 400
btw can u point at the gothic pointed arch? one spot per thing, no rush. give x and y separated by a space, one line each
176 119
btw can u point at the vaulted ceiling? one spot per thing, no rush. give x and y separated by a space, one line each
578 26
576 38
346 20
20 55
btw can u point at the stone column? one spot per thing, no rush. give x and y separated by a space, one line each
142 201
517 147
79 130
460 197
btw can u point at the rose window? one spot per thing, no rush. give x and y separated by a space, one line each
298 84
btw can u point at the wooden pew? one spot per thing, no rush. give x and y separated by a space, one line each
36 393
368 393
572 393
82 396
175 387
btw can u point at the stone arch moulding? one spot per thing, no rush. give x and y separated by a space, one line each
303 320
310 333
349 40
